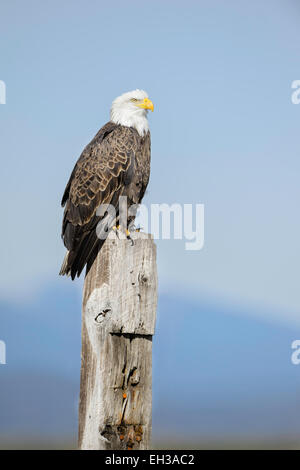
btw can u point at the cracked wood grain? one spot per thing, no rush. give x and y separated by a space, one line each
118 322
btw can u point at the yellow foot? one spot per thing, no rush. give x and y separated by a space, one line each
120 232
135 229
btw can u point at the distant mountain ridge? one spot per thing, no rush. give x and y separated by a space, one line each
215 373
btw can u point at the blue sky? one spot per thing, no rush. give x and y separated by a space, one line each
224 133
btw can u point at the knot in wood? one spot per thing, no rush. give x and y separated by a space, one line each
99 318
143 279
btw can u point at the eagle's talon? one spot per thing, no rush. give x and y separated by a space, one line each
116 229
133 228
128 235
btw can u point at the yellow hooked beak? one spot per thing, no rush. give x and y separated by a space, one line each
146 104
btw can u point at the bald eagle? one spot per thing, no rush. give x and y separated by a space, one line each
115 163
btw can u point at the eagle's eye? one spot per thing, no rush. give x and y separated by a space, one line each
133 100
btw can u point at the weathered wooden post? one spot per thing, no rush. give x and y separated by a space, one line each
118 321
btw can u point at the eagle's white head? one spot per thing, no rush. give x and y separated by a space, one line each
131 109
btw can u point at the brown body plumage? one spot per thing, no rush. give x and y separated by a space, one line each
115 163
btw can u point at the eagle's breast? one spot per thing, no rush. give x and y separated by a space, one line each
141 173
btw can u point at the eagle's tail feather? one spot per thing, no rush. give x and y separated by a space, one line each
65 267
74 262
87 249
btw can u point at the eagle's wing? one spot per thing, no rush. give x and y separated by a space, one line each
105 166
